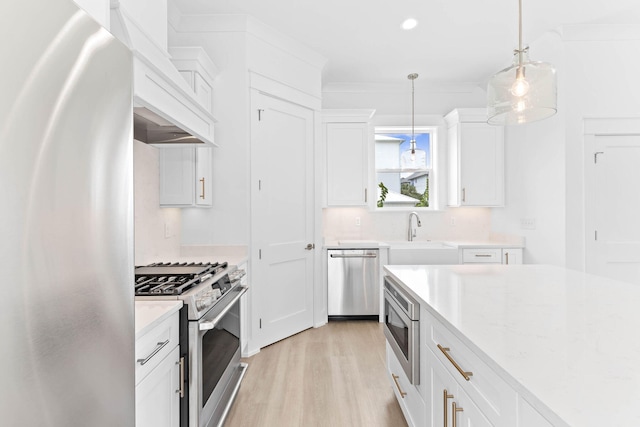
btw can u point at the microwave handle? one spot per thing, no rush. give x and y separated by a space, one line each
204 326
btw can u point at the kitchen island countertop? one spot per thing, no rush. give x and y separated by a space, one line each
564 338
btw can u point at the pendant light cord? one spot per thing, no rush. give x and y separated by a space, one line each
412 77
520 51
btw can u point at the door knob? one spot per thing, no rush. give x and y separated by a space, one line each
310 246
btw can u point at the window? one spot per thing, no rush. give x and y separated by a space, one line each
404 177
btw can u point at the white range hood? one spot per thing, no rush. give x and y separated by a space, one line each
165 108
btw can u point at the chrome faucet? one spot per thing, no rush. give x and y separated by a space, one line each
412 231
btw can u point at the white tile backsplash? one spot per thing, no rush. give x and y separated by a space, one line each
450 224
157 230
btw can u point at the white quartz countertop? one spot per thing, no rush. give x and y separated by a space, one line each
149 313
458 244
568 339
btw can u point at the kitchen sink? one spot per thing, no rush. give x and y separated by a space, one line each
422 252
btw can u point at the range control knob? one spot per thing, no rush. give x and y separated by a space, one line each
204 302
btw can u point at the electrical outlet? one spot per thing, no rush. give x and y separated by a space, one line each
453 221
357 221
168 230
528 223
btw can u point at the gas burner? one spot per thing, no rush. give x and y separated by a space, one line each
173 278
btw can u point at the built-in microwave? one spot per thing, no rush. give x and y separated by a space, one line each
402 329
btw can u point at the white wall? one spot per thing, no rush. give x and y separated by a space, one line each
157 230
602 80
597 77
535 172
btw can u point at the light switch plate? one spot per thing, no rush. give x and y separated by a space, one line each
528 223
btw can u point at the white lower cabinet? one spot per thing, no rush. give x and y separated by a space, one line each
158 375
484 399
450 405
408 395
512 256
157 402
507 256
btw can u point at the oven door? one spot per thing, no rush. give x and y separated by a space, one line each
402 334
214 360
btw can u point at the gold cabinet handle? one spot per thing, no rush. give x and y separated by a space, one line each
507 257
482 255
454 410
446 396
395 379
445 351
181 389
202 182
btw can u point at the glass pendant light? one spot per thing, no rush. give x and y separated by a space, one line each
524 92
413 158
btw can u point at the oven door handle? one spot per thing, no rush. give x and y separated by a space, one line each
207 325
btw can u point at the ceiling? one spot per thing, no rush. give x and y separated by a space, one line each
455 42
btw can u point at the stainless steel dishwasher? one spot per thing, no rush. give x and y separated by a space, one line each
353 288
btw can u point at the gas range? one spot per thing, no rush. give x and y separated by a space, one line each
199 285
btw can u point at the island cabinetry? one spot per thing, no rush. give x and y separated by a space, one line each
507 256
158 376
476 159
347 138
450 405
408 395
185 176
492 397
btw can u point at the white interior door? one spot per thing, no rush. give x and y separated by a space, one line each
613 207
282 217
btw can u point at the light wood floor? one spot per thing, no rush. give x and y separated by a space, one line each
331 376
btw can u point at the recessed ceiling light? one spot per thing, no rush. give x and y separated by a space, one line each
409 24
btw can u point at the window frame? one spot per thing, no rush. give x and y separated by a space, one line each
434 171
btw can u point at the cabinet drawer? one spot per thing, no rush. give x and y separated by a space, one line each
489 392
482 256
154 346
411 403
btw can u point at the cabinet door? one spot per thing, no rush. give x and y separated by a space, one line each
157 397
444 389
468 414
481 151
177 172
203 184
450 405
407 394
512 256
203 90
185 176
347 163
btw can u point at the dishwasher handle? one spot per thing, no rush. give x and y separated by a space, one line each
353 255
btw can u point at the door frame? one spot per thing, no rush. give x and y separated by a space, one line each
595 127
259 83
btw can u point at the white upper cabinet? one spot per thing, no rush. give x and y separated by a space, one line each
476 159
198 70
347 138
185 176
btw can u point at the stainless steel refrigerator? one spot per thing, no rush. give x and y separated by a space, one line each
66 221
